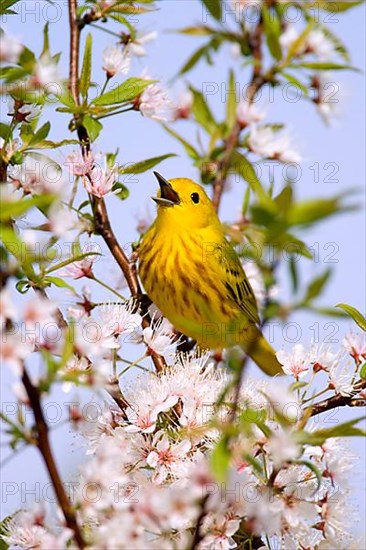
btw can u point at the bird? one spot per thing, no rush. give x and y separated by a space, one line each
193 274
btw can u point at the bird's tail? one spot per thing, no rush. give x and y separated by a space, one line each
264 356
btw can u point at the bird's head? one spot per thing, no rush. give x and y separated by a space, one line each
183 203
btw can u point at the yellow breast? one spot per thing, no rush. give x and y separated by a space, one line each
184 282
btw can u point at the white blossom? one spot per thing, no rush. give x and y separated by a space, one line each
116 61
38 177
296 362
136 46
10 48
355 345
247 113
320 45
155 102
267 143
46 74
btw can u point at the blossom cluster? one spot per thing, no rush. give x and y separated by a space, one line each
157 465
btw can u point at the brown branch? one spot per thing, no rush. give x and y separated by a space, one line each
74 51
224 166
339 401
43 444
102 223
104 228
197 535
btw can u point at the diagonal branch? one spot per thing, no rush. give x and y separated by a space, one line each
128 268
353 400
103 225
44 447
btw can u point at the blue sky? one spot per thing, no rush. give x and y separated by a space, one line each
337 152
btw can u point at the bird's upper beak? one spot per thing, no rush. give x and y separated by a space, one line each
168 196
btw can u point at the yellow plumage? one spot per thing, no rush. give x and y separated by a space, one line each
193 274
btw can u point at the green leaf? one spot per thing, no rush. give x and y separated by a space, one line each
294 273
355 314
194 59
143 165
41 134
121 191
298 385
5 131
202 112
92 126
127 91
296 82
13 209
316 286
48 144
363 372
190 150
87 67
220 459
231 103
284 199
296 46
118 17
5 5
272 29
318 437
23 286
60 283
214 7
242 166
5 525
310 211
197 31
46 40
335 7
337 43
323 66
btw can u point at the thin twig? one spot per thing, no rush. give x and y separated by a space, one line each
44 447
198 536
224 166
102 223
74 51
339 401
104 228
257 81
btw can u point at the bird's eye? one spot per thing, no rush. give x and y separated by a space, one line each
195 198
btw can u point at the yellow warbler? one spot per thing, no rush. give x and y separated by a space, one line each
194 276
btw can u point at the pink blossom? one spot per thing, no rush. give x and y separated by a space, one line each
80 165
99 181
165 456
155 102
81 268
355 345
159 337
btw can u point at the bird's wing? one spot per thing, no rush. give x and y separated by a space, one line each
236 282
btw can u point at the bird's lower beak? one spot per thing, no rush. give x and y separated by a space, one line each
168 196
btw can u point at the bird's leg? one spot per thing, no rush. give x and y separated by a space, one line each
142 302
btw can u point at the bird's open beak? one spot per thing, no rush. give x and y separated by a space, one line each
168 197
